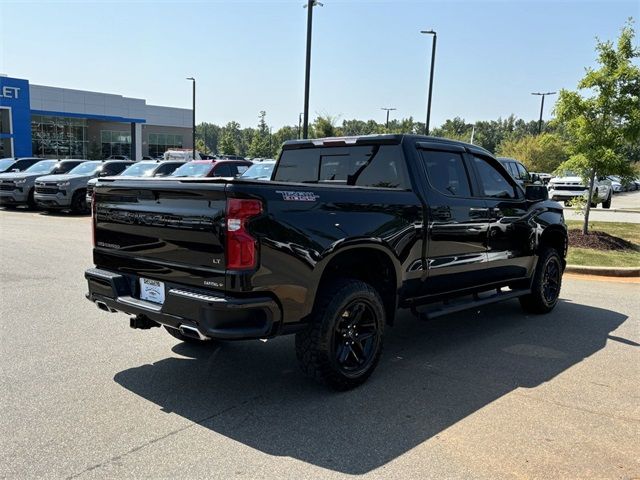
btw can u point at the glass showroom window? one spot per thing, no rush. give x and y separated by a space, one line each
115 143
161 142
59 137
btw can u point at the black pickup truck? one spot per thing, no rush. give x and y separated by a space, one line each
348 231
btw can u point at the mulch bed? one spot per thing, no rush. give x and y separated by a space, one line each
599 241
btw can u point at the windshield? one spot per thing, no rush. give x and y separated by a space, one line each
44 166
193 169
139 170
6 163
86 168
259 170
567 173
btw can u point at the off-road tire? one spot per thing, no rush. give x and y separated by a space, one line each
79 202
31 201
174 332
318 348
538 301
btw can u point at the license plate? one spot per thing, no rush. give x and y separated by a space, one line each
152 290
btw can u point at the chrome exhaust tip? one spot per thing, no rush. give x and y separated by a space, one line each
192 332
103 306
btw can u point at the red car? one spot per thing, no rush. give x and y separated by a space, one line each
212 168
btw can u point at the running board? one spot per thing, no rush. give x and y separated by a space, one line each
429 312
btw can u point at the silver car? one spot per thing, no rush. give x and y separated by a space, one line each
68 191
17 188
144 168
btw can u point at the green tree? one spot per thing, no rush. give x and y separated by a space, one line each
540 153
324 126
202 147
209 133
261 142
282 135
229 143
603 123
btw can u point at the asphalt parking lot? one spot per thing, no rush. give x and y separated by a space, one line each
482 394
625 207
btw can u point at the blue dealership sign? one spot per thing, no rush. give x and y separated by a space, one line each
14 96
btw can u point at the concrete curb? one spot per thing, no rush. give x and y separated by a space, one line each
605 271
611 210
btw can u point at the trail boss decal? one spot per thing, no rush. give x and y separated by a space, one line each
291 196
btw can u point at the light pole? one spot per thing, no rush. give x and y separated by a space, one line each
307 72
388 109
300 125
433 59
193 81
542 107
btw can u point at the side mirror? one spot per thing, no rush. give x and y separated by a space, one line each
536 193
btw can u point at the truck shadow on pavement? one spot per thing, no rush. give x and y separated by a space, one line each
432 375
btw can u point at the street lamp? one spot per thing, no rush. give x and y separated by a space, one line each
433 59
542 107
307 72
388 109
300 124
193 80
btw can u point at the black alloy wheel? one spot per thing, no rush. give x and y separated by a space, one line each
546 283
355 338
551 280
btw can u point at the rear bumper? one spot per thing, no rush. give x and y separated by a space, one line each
213 315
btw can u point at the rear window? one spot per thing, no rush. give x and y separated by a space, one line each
366 166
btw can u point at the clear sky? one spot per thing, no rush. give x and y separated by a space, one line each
249 56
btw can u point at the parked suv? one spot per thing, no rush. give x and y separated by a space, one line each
17 164
68 191
18 188
519 172
150 168
570 186
347 231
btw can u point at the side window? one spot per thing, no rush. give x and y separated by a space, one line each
115 168
241 169
23 164
511 168
222 171
385 170
360 165
522 172
66 166
165 169
492 181
447 173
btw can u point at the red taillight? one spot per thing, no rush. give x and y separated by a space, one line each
93 216
241 246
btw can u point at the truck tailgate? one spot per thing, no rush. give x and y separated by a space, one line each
168 230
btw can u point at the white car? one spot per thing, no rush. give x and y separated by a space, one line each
616 183
569 187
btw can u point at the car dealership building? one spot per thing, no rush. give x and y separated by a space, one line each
54 122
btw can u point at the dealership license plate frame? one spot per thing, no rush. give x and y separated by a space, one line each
152 291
